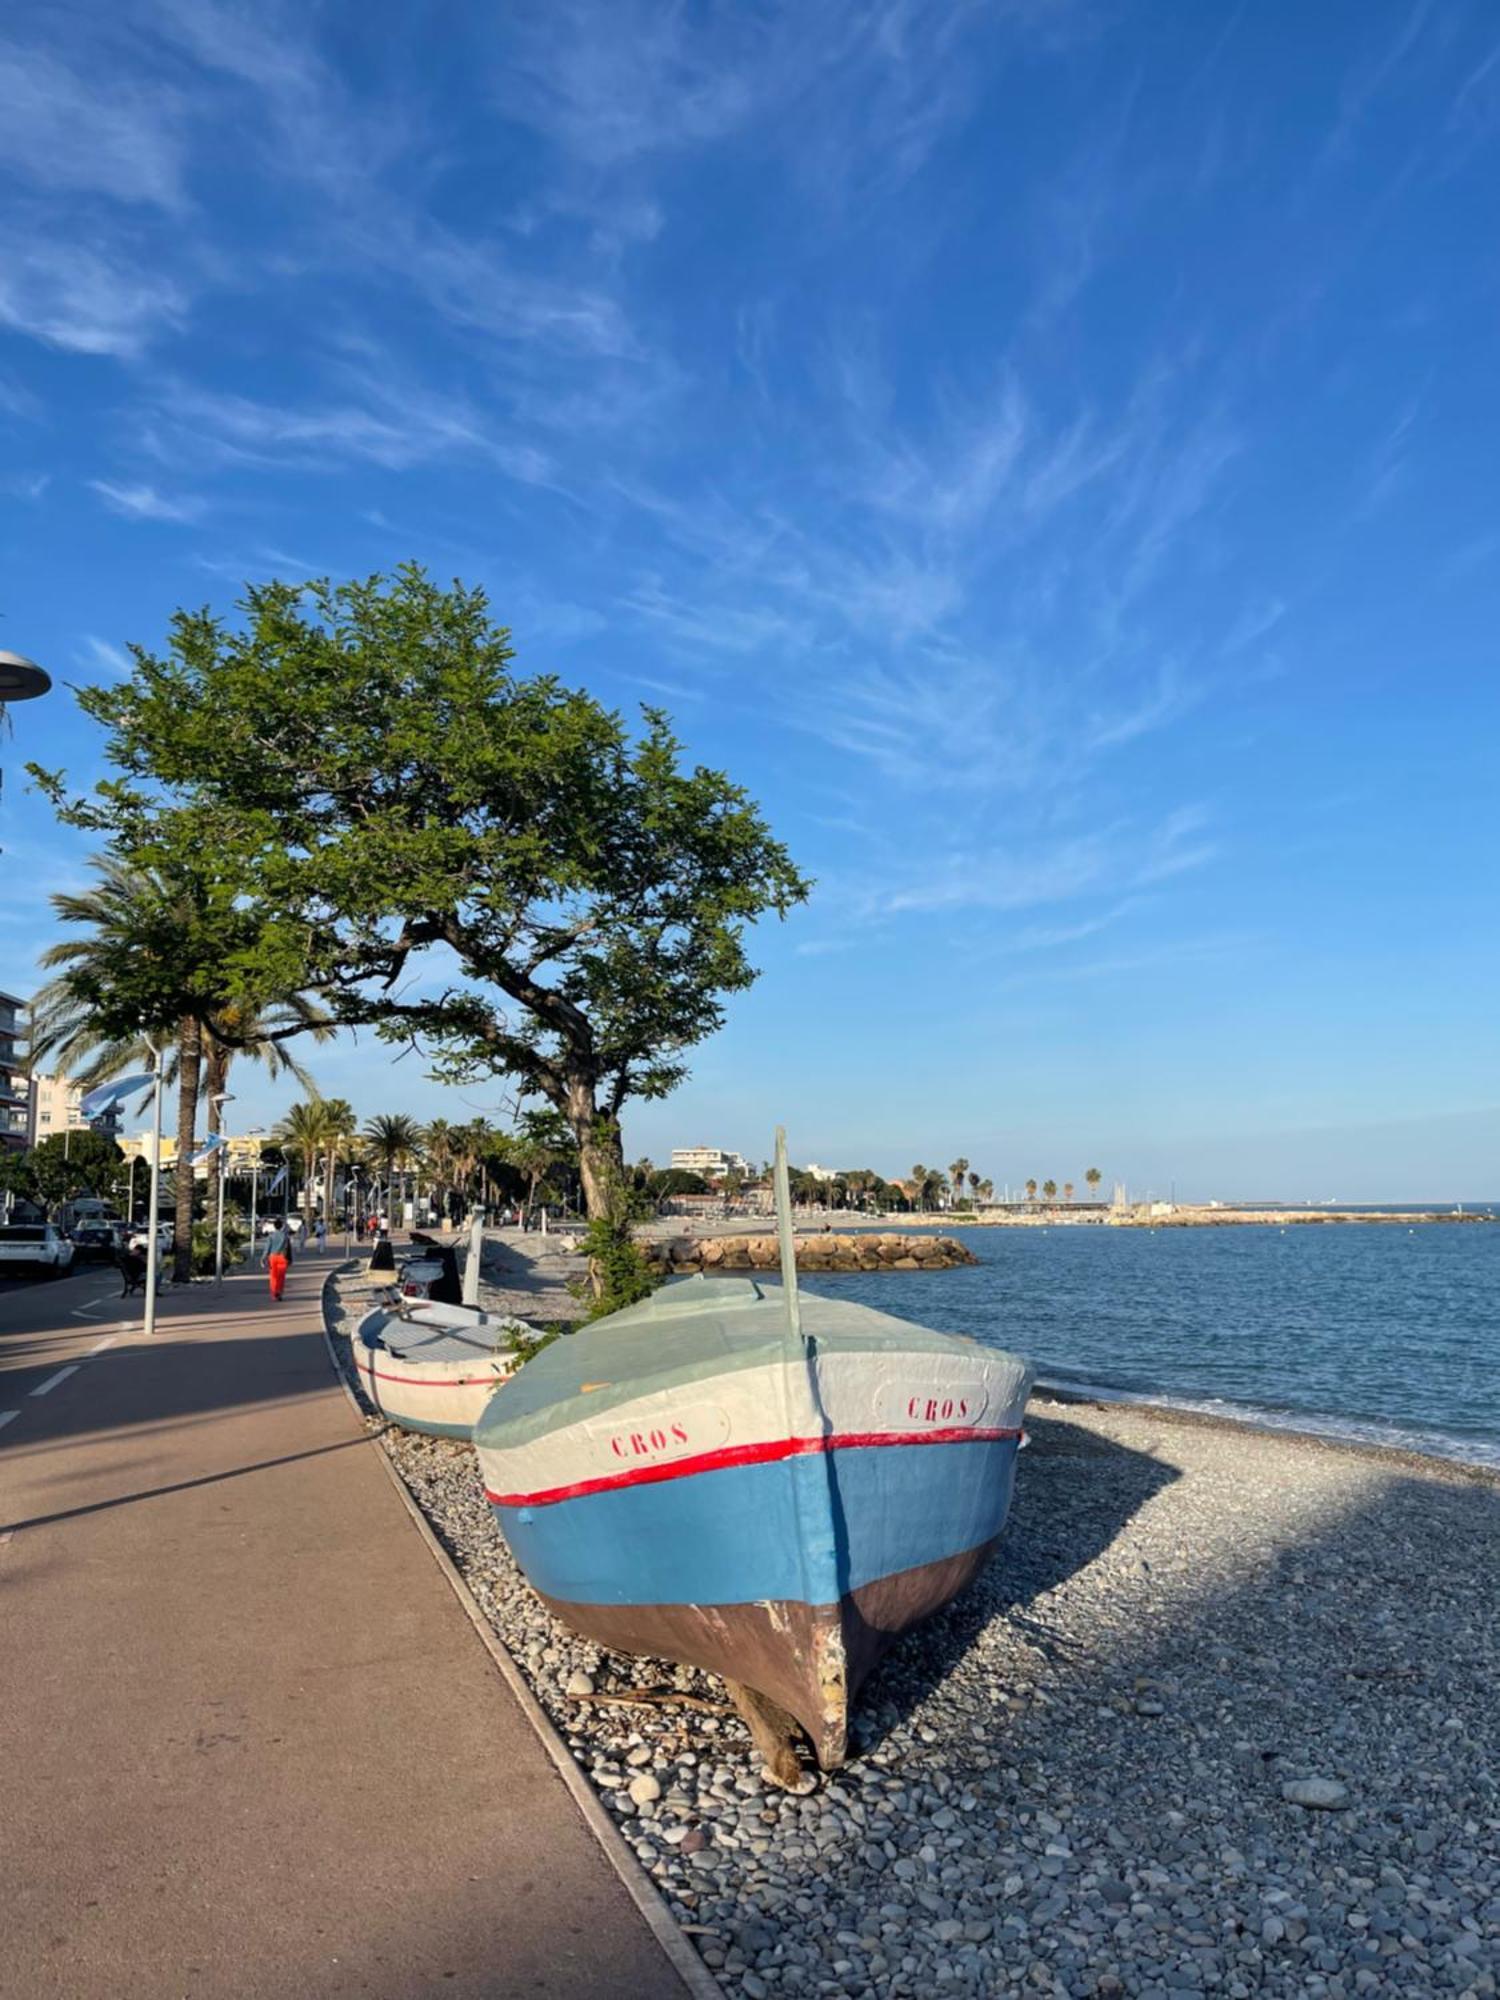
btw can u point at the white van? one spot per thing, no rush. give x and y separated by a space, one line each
34 1246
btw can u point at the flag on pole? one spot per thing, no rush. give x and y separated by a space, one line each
207 1152
105 1096
279 1181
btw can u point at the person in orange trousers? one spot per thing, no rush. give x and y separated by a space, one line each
279 1257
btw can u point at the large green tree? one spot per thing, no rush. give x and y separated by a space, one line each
574 896
63 1166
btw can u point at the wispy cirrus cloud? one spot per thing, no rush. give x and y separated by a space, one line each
376 417
114 135
1376 72
1254 623
1385 468
646 81
146 503
1106 861
102 656
81 296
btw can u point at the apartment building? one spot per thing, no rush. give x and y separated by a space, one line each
710 1161
53 1104
13 1106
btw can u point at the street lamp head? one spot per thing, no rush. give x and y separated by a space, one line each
21 679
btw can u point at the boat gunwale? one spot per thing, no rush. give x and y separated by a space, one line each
544 1406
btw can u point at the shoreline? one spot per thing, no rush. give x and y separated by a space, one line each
1259 1423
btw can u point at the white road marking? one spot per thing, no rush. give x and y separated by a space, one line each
100 1345
46 1388
88 1311
5 1417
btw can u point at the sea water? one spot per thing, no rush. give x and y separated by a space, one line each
1388 1332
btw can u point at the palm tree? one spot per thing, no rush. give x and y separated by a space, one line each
393 1140
920 1176
1067 1190
121 908
124 907
339 1144
986 1190
240 1028
974 1184
1031 1189
307 1129
475 1146
439 1158
956 1176
531 1157
1049 1189
1093 1177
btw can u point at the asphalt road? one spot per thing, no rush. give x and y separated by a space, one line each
47 1324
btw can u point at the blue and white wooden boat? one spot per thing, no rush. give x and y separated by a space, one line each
431 1367
770 1488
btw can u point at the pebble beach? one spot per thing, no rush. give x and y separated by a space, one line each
1220 1717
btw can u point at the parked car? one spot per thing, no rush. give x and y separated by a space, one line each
34 1246
166 1235
98 1237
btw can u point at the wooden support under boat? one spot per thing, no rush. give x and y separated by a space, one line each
775 1735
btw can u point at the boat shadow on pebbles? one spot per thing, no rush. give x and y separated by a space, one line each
1075 1494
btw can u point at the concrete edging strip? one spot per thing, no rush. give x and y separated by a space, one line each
642 1891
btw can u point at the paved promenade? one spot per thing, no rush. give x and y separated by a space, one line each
251 1744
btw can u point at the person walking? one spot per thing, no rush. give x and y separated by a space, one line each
320 1232
279 1257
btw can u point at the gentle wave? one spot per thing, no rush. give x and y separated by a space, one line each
1338 1430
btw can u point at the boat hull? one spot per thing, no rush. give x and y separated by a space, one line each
679 1480
441 1396
711 1569
810 1660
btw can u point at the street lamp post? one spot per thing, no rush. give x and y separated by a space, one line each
153 1254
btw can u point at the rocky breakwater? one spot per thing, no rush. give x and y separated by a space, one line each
826 1251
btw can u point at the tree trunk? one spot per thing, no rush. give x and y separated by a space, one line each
601 1164
189 1072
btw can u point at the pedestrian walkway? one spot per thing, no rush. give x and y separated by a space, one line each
251 1744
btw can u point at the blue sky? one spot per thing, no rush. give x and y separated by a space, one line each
1045 450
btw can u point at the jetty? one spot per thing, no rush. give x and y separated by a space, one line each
827 1250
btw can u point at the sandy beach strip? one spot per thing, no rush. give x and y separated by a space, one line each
1085 1776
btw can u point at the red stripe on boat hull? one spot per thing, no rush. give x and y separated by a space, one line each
422 1381
767 1452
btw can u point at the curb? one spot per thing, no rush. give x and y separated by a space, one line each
643 1892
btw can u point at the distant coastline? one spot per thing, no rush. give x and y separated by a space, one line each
1096 1215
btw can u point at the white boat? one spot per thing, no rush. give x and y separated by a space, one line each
434 1367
